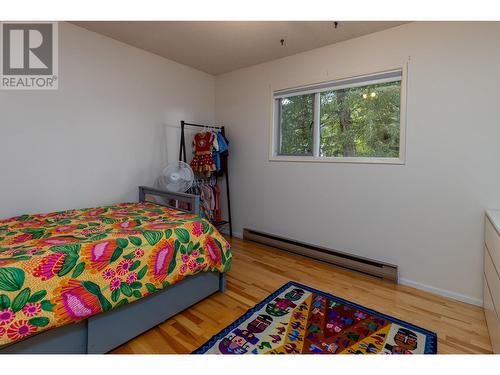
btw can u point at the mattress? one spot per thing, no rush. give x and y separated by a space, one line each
63 267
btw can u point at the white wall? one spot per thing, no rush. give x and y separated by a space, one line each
425 216
103 133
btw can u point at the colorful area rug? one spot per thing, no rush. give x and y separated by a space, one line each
297 319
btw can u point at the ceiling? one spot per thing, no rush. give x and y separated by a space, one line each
218 47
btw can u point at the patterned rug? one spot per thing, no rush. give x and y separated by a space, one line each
297 319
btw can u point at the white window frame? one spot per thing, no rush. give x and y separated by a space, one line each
335 85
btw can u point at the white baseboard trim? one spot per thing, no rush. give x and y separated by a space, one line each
442 292
235 234
238 235
414 284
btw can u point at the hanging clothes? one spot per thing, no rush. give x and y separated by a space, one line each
218 211
209 192
221 149
203 161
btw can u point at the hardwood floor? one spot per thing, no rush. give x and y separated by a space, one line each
259 270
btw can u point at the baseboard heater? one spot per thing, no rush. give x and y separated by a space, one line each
371 267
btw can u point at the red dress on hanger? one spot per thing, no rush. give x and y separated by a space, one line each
203 161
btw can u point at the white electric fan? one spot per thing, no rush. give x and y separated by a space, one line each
177 177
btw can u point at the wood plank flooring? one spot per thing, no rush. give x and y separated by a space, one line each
259 270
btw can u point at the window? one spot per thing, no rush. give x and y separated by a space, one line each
297 121
356 119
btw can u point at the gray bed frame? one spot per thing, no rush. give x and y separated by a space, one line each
103 332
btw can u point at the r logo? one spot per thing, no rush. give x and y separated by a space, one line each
27 48
29 56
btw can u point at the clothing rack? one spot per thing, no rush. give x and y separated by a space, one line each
224 170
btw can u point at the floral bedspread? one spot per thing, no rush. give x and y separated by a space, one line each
65 266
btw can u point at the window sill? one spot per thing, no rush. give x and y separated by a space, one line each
348 160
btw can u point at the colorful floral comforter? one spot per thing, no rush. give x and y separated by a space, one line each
65 266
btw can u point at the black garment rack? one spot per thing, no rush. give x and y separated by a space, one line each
224 170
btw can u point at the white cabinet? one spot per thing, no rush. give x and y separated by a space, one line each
492 276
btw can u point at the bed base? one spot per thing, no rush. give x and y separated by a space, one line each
103 332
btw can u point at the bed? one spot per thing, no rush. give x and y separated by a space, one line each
87 281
